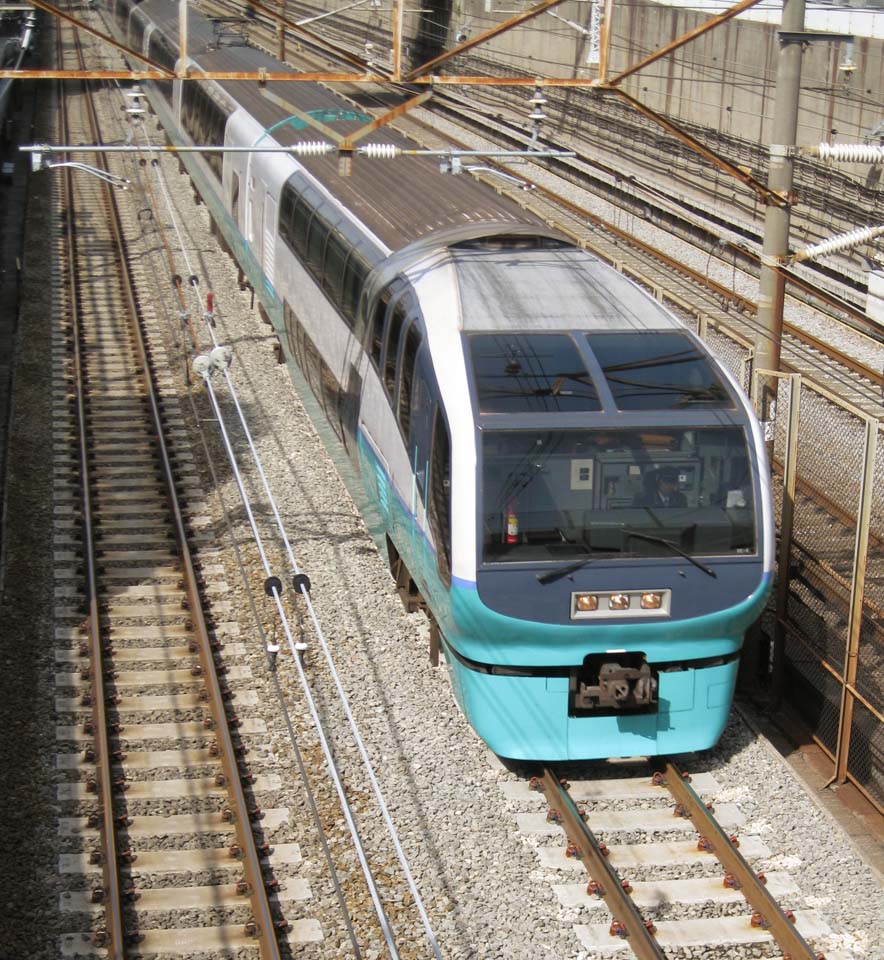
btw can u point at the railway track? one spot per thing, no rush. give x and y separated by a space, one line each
668 866
712 309
159 810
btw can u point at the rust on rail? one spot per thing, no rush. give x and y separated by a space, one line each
623 909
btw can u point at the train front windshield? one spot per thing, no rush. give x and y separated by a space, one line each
566 494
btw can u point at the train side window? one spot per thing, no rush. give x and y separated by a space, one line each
377 328
316 239
406 376
394 332
300 223
355 274
234 196
439 513
293 333
333 266
287 200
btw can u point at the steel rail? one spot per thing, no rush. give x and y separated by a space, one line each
642 942
772 918
257 893
100 722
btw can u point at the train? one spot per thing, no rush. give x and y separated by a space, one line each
558 470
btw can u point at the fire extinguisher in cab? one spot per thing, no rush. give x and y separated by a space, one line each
512 524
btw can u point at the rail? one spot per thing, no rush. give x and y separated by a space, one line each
627 922
264 929
768 912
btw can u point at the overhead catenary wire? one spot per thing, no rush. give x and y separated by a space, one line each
390 826
351 825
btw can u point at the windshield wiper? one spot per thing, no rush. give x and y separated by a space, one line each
675 549
552 575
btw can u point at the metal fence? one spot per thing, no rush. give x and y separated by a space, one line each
826 621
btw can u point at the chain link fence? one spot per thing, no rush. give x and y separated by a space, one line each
827 658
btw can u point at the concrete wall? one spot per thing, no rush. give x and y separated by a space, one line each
724 80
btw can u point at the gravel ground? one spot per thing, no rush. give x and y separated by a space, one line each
487 895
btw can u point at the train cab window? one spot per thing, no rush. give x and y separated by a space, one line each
406 376
567 494
530 373
658 370
377 328
394 333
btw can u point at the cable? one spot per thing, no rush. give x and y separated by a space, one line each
273 590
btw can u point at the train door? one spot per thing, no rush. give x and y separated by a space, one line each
269 239
255 213
377 424
420 435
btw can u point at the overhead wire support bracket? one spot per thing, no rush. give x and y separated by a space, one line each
306 148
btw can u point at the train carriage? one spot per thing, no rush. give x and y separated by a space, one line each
574 485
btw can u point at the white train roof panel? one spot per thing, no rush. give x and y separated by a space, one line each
565 289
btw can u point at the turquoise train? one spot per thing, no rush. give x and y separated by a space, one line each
566 479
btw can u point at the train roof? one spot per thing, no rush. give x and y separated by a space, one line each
165 14
556 289
401 200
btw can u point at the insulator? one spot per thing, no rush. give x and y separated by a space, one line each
851 152
835 244
312 148
380 151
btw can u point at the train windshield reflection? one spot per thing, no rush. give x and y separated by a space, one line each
658 370
567 494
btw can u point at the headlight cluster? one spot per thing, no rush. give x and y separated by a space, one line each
635 603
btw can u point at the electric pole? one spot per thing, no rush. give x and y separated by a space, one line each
768 337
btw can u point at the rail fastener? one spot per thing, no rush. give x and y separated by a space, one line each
583 845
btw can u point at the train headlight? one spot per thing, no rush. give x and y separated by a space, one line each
621 604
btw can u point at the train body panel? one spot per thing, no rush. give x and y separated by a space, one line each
576 487
528 717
